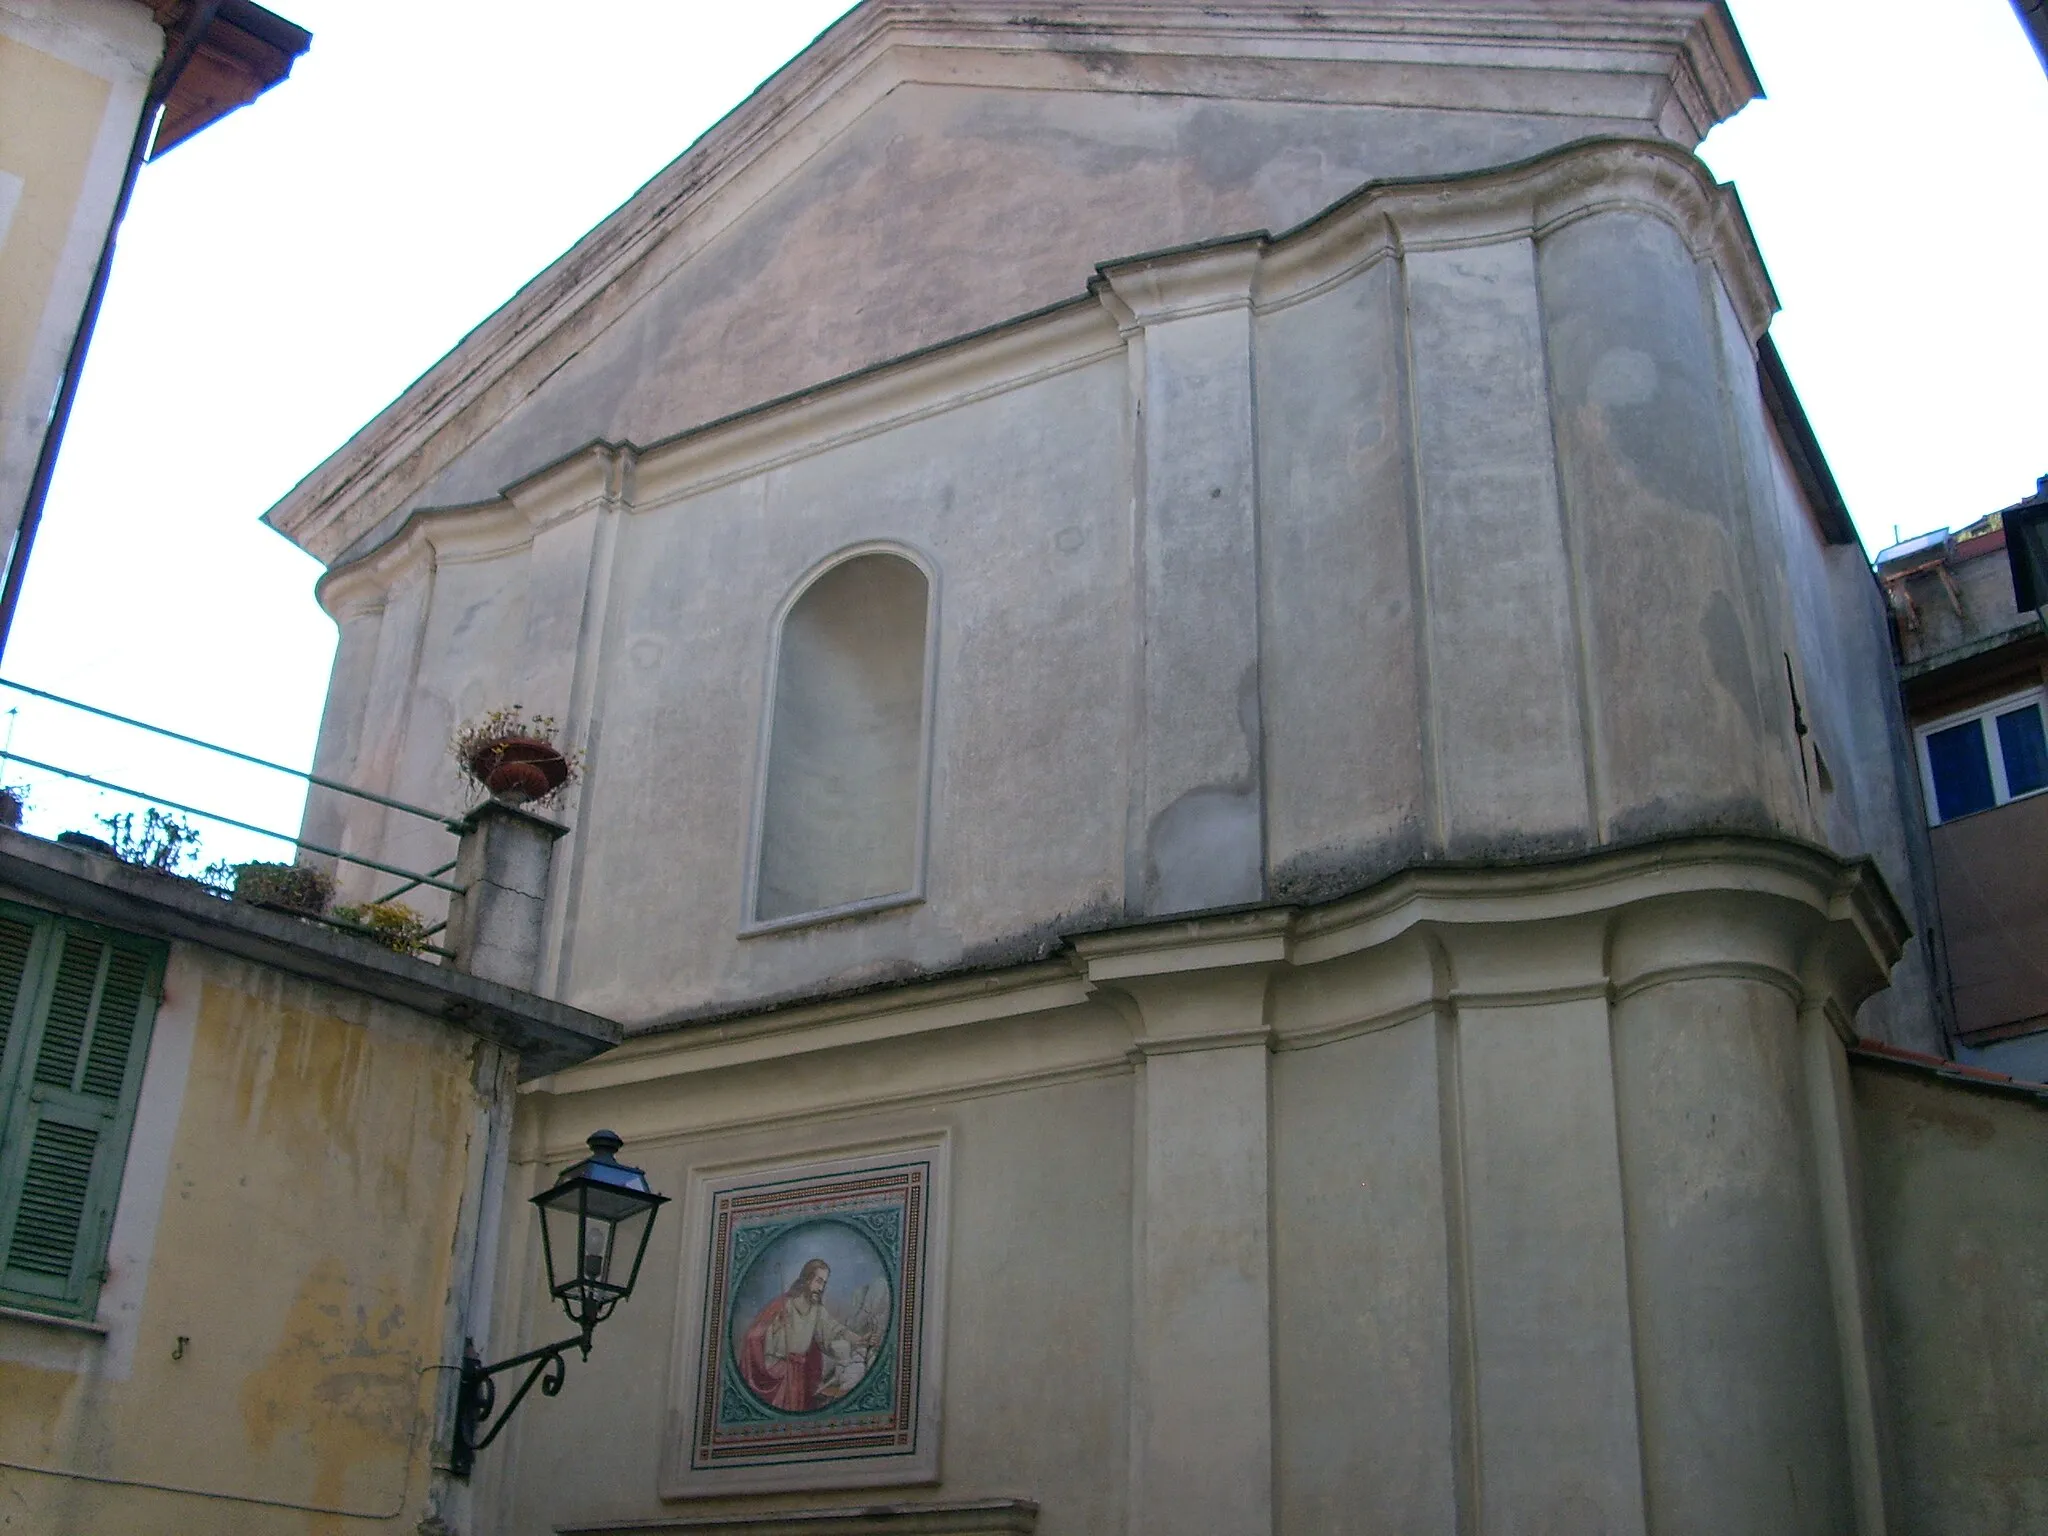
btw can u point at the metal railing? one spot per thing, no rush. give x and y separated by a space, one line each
412 879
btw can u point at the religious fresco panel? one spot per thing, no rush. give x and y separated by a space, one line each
813 1362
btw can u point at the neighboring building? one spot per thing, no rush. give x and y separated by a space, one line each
2033 16
1972 665
1252 875
243 1175
87 88
1954 1165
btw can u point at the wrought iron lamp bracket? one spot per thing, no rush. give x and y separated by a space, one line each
605 1212
477 1396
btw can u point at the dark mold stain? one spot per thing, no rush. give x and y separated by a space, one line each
1670 815
1003 122
1330 872
1728 651
1500 847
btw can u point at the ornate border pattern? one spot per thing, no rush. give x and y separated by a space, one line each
884 1429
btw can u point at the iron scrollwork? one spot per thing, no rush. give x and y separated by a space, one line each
478 1395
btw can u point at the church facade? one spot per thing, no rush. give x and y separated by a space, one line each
1241 794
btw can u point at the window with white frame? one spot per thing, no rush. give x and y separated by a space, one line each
1984 757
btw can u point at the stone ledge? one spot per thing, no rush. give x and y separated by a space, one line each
84 1326
2028 627
1017 1517
547 1035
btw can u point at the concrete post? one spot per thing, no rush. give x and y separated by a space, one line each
496 926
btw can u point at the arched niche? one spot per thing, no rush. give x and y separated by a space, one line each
840 824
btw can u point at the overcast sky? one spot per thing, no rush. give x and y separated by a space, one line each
286 273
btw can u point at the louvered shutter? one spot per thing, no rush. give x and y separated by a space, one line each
17 940
85 999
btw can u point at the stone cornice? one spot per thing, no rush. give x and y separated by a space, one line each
960 1517
594 474
1185 944
919 1008
1523 201
1847 891
1520 57
1531 199
955 373
1596 928
1181 284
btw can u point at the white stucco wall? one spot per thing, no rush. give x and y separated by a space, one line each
1377 970
73 75
922 171
1432 532
1508 1200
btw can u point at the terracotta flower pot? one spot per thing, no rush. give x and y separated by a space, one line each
519 767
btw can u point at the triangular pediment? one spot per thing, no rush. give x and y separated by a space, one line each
924 170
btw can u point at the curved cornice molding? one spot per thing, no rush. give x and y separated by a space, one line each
1428 941
1528 200
1384 219
436 536
1680 61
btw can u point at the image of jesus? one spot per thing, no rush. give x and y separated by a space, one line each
783 1355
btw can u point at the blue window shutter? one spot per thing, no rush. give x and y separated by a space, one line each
1961 770
2024 748
85 1002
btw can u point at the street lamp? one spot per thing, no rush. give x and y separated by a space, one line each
594 1226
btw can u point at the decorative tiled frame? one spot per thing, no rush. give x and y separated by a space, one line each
708 1455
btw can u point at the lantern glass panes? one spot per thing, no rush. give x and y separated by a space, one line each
595 1223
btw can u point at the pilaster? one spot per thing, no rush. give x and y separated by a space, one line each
358 617
1499 630
1745 1423
386 714
574 509
1202 1373
568 507
1540 1240
1196 832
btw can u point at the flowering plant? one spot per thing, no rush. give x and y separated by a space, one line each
390 923
513 755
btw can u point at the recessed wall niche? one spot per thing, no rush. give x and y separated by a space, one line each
842 796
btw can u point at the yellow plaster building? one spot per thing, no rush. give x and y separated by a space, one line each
245 1160
88 89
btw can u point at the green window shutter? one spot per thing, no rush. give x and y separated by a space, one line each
85 999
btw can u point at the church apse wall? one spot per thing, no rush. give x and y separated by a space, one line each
1486 1199
1275 780
1267 569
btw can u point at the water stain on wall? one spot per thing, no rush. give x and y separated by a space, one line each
344 1383
36 1401
356 1101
